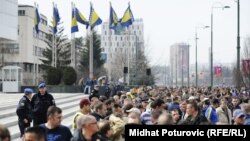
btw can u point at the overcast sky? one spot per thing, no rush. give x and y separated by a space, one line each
167 22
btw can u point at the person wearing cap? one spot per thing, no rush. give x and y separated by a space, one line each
84 110
24 110
40 103
238 117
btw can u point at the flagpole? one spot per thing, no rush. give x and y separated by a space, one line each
90 49
91 54
128 50
73 63
109 59
55 50
34 65
36 58
53 40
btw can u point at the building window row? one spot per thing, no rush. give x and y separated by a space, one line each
41 35
39 51
121 38
11 48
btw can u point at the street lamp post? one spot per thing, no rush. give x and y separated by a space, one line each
196 64
238 44
211 65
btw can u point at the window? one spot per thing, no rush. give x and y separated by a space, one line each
21 12
105 32
117 44
30 67
25 67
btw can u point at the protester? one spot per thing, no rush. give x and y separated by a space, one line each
4 133
84 110
36 133
55 131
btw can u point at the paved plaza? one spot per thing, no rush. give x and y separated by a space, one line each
69 103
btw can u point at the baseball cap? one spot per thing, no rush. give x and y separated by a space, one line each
238 113
41 85
134 110
84 102
28 91
205 99
192 98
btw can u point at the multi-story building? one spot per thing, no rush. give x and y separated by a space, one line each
8 30
8 24
122 46
179 64
28 52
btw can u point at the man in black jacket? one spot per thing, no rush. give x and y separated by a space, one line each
23 110
40 103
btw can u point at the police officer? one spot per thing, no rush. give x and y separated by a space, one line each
23 110
40 103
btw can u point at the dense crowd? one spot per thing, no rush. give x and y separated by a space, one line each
103 117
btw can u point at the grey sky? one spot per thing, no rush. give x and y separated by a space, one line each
167 22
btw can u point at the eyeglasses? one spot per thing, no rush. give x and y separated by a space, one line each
93 123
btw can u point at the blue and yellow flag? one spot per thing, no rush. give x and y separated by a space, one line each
127 18
80 18
56 19
74 26
113 19
36 20
94 19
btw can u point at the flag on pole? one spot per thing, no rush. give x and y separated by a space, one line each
80 18
56 19
127 18
113 19
94 19
37 20
217 71
74 26
246 66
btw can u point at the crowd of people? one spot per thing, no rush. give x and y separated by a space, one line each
103 117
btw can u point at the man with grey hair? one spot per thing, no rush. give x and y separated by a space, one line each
87 129
246 109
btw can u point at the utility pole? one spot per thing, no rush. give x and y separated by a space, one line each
238 45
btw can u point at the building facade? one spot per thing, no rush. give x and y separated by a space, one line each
8 24
179 64
28 52
8 30
121 48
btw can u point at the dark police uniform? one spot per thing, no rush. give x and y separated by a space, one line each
23 111
40 104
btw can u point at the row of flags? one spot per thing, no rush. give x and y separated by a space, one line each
94 19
